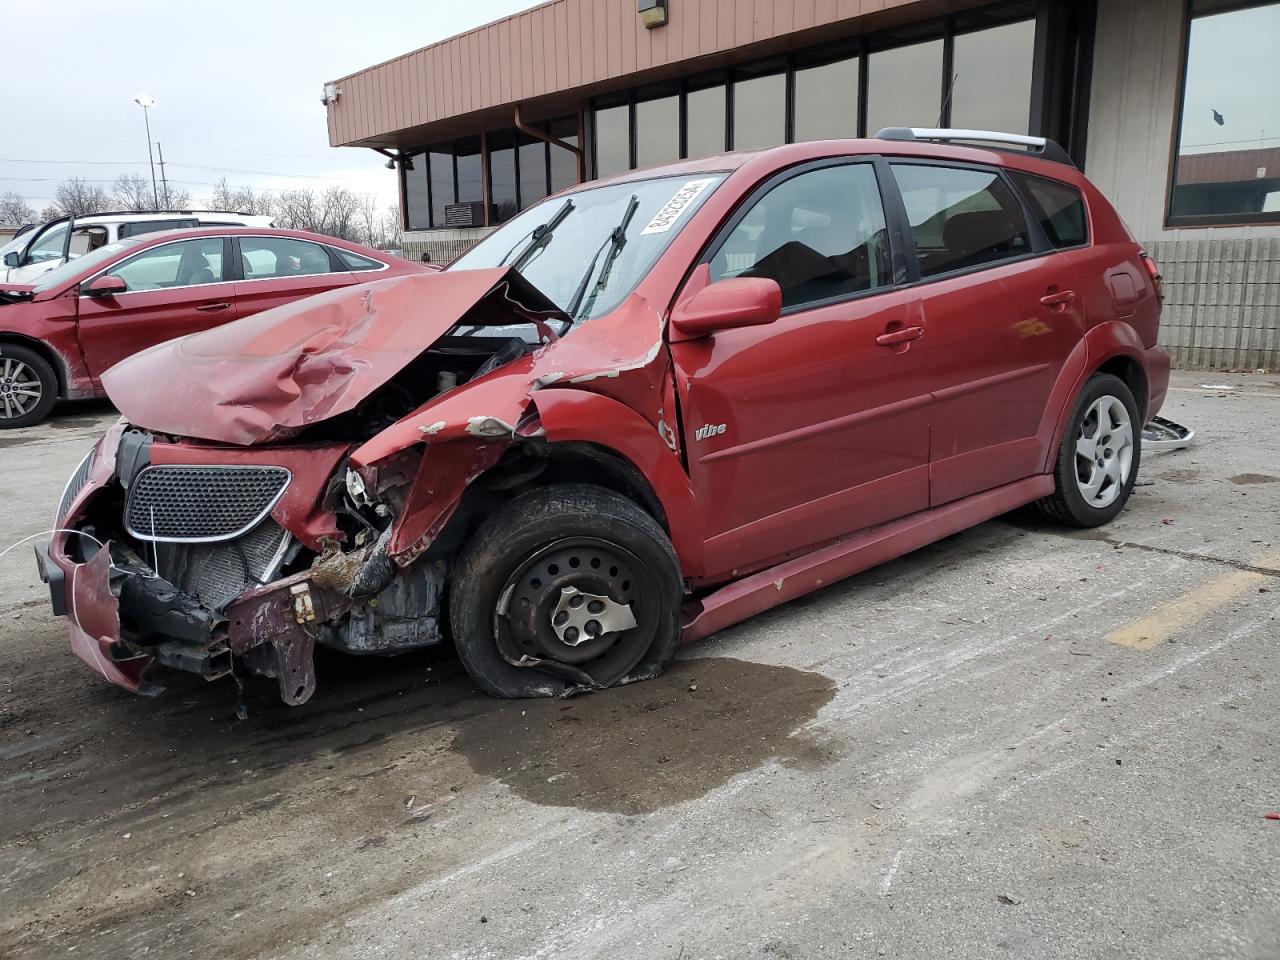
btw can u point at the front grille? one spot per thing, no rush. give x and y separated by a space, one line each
74 486
201 503
215 573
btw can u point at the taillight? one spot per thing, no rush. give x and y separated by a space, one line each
1157 281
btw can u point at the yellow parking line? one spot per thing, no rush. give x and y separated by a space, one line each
1195 605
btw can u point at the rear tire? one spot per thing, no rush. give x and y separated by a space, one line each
1098 460
532 581
28 387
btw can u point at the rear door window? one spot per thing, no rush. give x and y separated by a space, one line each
275 257
1059 208
820 234
960 218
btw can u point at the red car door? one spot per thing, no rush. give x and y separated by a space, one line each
276 270
174 289
817 425
1003 316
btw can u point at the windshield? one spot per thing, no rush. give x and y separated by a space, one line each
577 254
73 268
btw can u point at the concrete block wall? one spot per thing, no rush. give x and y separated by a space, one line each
1222 302
442 245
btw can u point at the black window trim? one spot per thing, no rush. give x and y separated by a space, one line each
1184 221
897 265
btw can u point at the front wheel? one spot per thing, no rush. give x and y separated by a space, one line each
1098 461
28 387
566 587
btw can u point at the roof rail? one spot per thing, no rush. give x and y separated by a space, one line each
1041 147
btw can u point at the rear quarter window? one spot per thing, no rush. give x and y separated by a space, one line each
353 261
1059 207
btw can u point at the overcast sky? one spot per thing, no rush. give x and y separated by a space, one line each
237 86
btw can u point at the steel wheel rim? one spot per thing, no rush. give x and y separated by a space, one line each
20 389
525 627
1104 452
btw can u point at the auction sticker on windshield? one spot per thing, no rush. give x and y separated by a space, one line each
674 209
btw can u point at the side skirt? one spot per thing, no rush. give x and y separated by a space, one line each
745 598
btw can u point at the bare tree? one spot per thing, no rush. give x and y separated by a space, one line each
243 199
339 213
132 191
14 210
370 221
76 197
392 229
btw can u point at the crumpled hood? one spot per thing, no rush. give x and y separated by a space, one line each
267 376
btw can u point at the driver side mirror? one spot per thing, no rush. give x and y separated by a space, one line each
726 305
11 259
105 286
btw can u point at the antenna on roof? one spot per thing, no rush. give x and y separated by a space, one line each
946 101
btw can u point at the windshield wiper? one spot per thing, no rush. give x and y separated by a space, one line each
538 237
616 240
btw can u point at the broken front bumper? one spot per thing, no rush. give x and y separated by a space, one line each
123 616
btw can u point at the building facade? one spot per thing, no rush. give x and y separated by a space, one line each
1171 106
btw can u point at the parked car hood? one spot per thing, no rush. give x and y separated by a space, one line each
268 376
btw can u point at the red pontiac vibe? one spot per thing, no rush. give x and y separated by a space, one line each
645 409
60 334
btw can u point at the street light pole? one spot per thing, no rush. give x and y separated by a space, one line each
146 103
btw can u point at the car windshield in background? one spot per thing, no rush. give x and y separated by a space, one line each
73 268
598 249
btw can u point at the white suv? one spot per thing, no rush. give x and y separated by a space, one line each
66 238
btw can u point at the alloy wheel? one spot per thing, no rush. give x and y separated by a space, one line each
20 389
1104 452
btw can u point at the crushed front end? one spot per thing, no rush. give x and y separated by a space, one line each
221 560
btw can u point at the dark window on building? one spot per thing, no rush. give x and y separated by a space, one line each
904 87
1227 163
991 78
470 168
417 197
503 199
821 235
657 131
613 140
440 176
1058 207
960 219
564 163
705 121
533 170
760 112
826 101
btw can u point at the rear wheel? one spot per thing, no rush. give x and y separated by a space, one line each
28 387
571 586
1099 458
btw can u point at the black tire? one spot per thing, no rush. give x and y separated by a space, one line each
1068 505
535 551
32 365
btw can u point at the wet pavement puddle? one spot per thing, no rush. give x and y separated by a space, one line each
638 748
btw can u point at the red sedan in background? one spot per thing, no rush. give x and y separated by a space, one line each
58 335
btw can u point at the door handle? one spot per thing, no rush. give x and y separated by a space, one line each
900 335
212 307
1059 299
